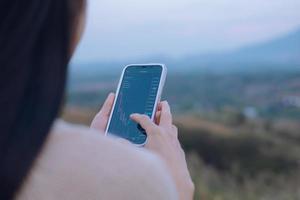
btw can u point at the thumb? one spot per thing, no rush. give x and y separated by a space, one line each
144 120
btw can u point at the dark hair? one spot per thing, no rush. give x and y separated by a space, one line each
35 39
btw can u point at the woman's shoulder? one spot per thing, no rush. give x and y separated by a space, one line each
79 163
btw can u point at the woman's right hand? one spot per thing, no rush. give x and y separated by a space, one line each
163 141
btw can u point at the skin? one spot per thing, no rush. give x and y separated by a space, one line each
162 134
162 141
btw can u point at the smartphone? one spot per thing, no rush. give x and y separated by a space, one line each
139 91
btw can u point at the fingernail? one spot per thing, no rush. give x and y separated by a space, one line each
133 115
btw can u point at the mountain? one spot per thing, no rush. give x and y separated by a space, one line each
285 49
282 53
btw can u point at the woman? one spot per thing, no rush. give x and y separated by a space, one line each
44 158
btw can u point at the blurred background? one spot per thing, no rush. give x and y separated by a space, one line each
233 84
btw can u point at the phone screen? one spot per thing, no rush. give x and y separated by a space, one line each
137 94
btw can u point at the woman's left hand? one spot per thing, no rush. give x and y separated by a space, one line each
101 119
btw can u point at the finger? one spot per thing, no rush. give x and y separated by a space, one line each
175 131
101 119
145 122
107 106
157 117
166 116
159 106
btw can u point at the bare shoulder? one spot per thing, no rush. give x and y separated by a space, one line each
78 163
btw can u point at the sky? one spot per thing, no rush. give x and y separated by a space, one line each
129 29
